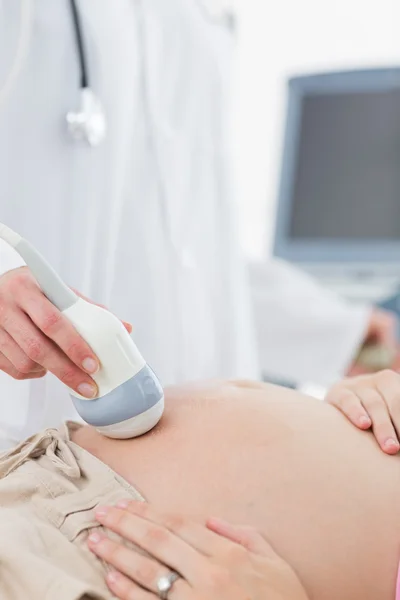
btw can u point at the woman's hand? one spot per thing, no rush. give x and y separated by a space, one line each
217 562
372 401
35 337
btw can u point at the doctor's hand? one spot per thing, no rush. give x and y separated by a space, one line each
380 344
217 562
35 337
372 402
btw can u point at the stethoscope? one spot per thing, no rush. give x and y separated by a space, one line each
88 123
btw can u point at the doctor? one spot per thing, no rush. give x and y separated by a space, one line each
114 162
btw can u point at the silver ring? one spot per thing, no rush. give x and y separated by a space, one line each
165 584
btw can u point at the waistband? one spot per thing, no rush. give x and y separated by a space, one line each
54 448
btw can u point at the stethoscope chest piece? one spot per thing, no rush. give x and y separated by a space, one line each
89 122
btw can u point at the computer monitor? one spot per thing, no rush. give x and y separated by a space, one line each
339 199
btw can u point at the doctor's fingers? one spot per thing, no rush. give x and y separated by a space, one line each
16 357
7 367
60 330
19 290
44 352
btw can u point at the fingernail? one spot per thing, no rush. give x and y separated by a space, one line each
365 421
90 365
113 577
94 538
102 511
87 390
123 504
391 444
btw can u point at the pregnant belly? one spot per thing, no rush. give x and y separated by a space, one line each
322 493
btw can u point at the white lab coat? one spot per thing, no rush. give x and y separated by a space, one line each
144 223
305 333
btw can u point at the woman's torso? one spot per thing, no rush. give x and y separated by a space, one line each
322 492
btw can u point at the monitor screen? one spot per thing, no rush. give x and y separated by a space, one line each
339 196
346 179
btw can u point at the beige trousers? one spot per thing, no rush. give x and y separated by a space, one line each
49 487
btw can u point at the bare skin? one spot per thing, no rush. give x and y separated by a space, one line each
322 492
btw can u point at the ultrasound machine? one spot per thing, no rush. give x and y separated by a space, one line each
338 213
